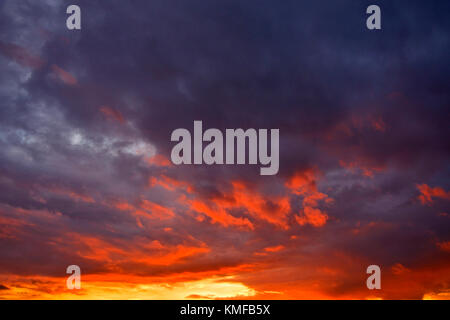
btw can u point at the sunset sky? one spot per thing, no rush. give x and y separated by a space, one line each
85 171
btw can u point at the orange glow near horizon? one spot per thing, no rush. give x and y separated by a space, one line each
153 266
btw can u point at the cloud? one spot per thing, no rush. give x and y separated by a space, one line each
21 55
444 246
112 114
428 193
64 76
312 216
85 171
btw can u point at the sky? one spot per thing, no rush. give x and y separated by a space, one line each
86 176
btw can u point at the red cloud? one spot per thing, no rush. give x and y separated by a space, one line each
428 193
398 269
444 246
112 114
217 213
274 249
159 160
304 183
64 76
312 216
355 124
170 184
157 210
367 169
272 209
146 209
140 252
21 55
378 124
72 194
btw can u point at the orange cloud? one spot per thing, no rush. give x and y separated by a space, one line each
157 210
312 199
171 255
268 250
312 216
141 251
147 209
112 287
428 193
272 209
159 160
170 184
274 249
10 227
445 295
304 183
218 214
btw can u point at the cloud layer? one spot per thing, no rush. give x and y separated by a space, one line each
85 175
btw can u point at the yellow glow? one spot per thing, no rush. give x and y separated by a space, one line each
437 296
211 288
